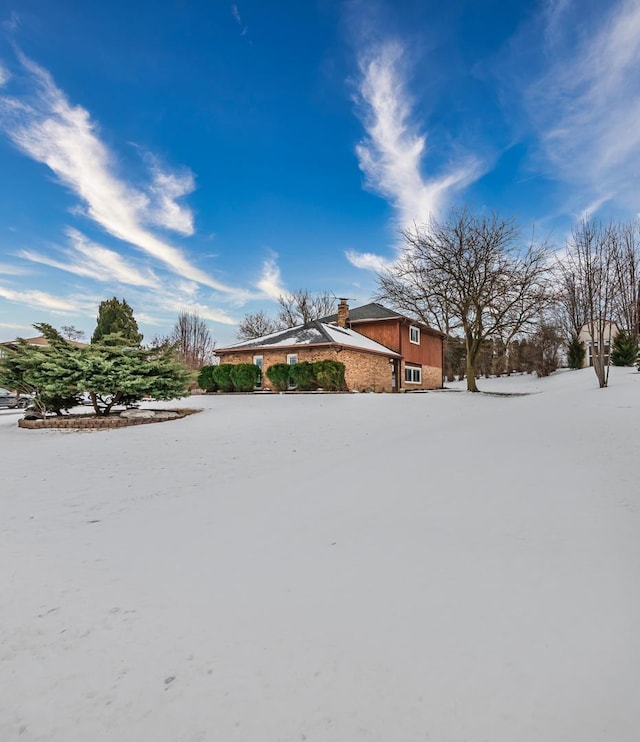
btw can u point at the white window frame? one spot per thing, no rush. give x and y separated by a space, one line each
413 330
412 371
259 361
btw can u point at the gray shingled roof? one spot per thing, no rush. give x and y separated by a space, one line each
375 311
313 333
368 311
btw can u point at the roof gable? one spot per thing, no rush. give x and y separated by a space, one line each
375 312
368 311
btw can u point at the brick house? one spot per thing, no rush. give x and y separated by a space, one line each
382 350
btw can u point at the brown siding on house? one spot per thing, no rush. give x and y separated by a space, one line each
428 353
363 371
384 332
394 334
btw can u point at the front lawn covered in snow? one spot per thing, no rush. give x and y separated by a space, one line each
442 566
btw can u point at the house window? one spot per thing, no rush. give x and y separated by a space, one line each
414 335
292 359
258 361
413 374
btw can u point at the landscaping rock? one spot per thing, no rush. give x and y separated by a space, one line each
138 414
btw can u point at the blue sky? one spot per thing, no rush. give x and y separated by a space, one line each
208 156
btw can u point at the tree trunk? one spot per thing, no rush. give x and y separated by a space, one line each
472 353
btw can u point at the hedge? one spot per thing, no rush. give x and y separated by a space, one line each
330 375
303 376
278 375
222 377
245 376
206 379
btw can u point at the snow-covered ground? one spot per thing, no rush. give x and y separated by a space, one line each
444 566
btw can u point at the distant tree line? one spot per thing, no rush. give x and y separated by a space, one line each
506 304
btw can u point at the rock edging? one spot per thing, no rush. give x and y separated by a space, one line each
106 423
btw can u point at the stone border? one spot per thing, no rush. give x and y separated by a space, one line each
95 422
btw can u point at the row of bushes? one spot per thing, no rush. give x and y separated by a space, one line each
244 377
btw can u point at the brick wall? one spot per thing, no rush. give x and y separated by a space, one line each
366 371
362 370
431 378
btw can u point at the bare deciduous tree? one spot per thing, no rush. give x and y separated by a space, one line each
294 309
256 325
588 270
191 338
301 307
626 268
469 273
72 333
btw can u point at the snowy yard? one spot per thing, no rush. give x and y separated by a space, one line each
443 566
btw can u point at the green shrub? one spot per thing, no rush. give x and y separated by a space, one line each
303 376
222 377
206 380
245 376
576 353
624 351
278 375
330 375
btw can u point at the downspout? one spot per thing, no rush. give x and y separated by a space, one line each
399 374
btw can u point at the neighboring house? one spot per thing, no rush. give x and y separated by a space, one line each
591 344
382 350
39 340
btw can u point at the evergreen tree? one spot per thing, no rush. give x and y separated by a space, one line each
49 373
116 317
625 350
113 372
575 353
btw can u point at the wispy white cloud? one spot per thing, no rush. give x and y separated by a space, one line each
41 300
584 106
235 12
164 209
62 136
15 326
90 260
270 282
4 75
392 154
368 261
12 270
201 309
11 23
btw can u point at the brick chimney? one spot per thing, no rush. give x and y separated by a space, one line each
343 313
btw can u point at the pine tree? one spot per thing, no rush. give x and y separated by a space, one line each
113 372
624 351
575 353
116 317
49 373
